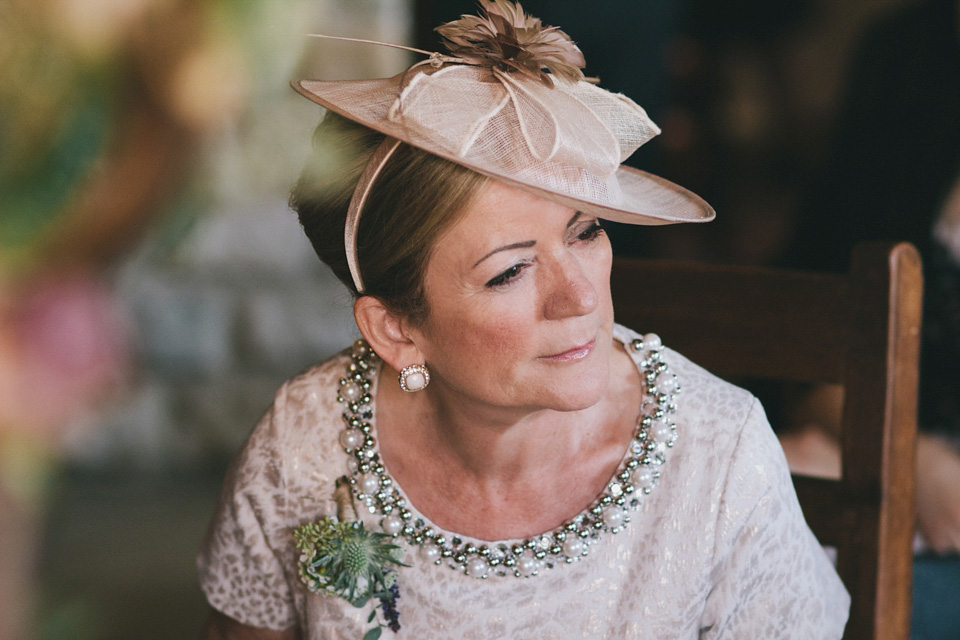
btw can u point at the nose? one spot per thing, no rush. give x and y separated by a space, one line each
570 291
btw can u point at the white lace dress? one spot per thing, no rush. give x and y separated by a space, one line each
719 549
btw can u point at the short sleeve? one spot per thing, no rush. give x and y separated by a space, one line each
770 577
239 569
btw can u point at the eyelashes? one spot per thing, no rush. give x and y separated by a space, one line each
587 235
591 232
509 275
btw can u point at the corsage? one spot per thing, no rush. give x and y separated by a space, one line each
340 557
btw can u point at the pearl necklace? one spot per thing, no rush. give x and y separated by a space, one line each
637 476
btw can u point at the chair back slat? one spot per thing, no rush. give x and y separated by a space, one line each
760 314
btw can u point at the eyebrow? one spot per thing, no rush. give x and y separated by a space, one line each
523 245
515 245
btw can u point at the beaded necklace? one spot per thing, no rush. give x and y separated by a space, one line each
636 477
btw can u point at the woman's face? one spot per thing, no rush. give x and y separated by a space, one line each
520 314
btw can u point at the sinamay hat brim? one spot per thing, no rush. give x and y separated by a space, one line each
645 199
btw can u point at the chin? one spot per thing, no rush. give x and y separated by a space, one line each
582 390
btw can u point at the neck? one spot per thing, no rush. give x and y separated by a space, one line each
498 445
494 465
505 446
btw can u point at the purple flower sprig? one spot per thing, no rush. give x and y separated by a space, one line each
388 602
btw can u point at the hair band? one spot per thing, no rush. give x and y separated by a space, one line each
359 198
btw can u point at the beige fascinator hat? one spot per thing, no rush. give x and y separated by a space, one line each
510 102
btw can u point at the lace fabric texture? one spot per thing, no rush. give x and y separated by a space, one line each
515 127
719 550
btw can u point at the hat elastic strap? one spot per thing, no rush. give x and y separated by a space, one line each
374 165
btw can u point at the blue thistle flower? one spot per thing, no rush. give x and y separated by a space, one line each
347 560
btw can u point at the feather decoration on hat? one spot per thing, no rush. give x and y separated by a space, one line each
506 38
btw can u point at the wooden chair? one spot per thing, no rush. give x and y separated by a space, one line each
860 329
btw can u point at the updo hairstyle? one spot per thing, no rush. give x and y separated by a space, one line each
416 197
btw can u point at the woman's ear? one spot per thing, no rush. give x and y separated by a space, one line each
386 332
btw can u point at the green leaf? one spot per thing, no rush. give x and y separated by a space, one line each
373 634
373 614
360 602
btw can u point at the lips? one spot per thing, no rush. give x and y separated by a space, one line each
574 354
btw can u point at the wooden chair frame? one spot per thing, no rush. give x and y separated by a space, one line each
860 329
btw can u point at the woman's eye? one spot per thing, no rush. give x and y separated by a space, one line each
507 276
592 231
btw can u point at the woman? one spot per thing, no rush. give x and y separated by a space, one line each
498 458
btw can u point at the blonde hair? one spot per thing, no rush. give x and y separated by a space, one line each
414 200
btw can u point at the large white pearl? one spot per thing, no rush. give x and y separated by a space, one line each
573 547
643 477
391 524
661 432
369 483
477 567
527 564
429 552
667 383
652 342
351 439
350 391
613 516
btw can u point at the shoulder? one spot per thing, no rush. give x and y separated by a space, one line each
315 386
294 445
283 476
726 459
707 405
720 427
306 405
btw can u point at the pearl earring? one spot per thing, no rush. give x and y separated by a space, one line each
416 377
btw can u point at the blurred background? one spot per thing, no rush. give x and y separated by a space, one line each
155 289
